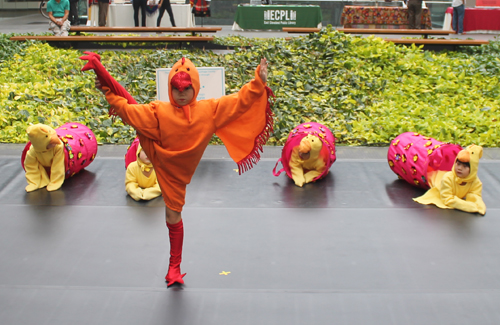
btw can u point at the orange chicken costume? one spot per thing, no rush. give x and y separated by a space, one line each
448 191
174 137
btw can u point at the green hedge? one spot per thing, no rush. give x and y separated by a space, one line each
366 90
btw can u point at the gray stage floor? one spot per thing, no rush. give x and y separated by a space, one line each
350 249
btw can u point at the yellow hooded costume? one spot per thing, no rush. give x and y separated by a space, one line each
44 161
452 192
305 170
137 184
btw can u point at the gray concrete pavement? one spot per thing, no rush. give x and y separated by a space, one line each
34 22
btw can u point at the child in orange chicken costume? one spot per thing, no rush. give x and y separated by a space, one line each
459 188
174 135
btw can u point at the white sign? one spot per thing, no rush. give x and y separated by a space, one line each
212 83
280 17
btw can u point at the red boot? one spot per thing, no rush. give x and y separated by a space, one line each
176 234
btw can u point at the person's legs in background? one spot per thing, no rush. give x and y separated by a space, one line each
65 28
56 29
418 15
161 10
144 4
457 23
60 30
411 15
165 5
103 13
140 4
168 7
454 19
414 14
136 5
73 13
460 10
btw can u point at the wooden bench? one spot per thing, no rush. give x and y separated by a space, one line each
433 44
301 30
437 44
192 30
74 41
424 32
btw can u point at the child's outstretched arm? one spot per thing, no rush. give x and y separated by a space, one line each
35 173
263 70
105 79
296 168
254 93
132 185
57 169
140 117
152 192
244 120
475 197
468 205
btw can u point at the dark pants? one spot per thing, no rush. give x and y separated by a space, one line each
140 4
165 5
458 19
73 13
103 13
415 14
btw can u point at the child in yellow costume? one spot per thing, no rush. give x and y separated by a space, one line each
140 179
44 162
306 163
460 188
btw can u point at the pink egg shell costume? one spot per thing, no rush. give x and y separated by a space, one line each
416 158
80 147
293 140
131 154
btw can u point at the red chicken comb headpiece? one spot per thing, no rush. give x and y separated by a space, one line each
181 81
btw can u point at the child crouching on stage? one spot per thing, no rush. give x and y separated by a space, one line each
140 179
459 188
